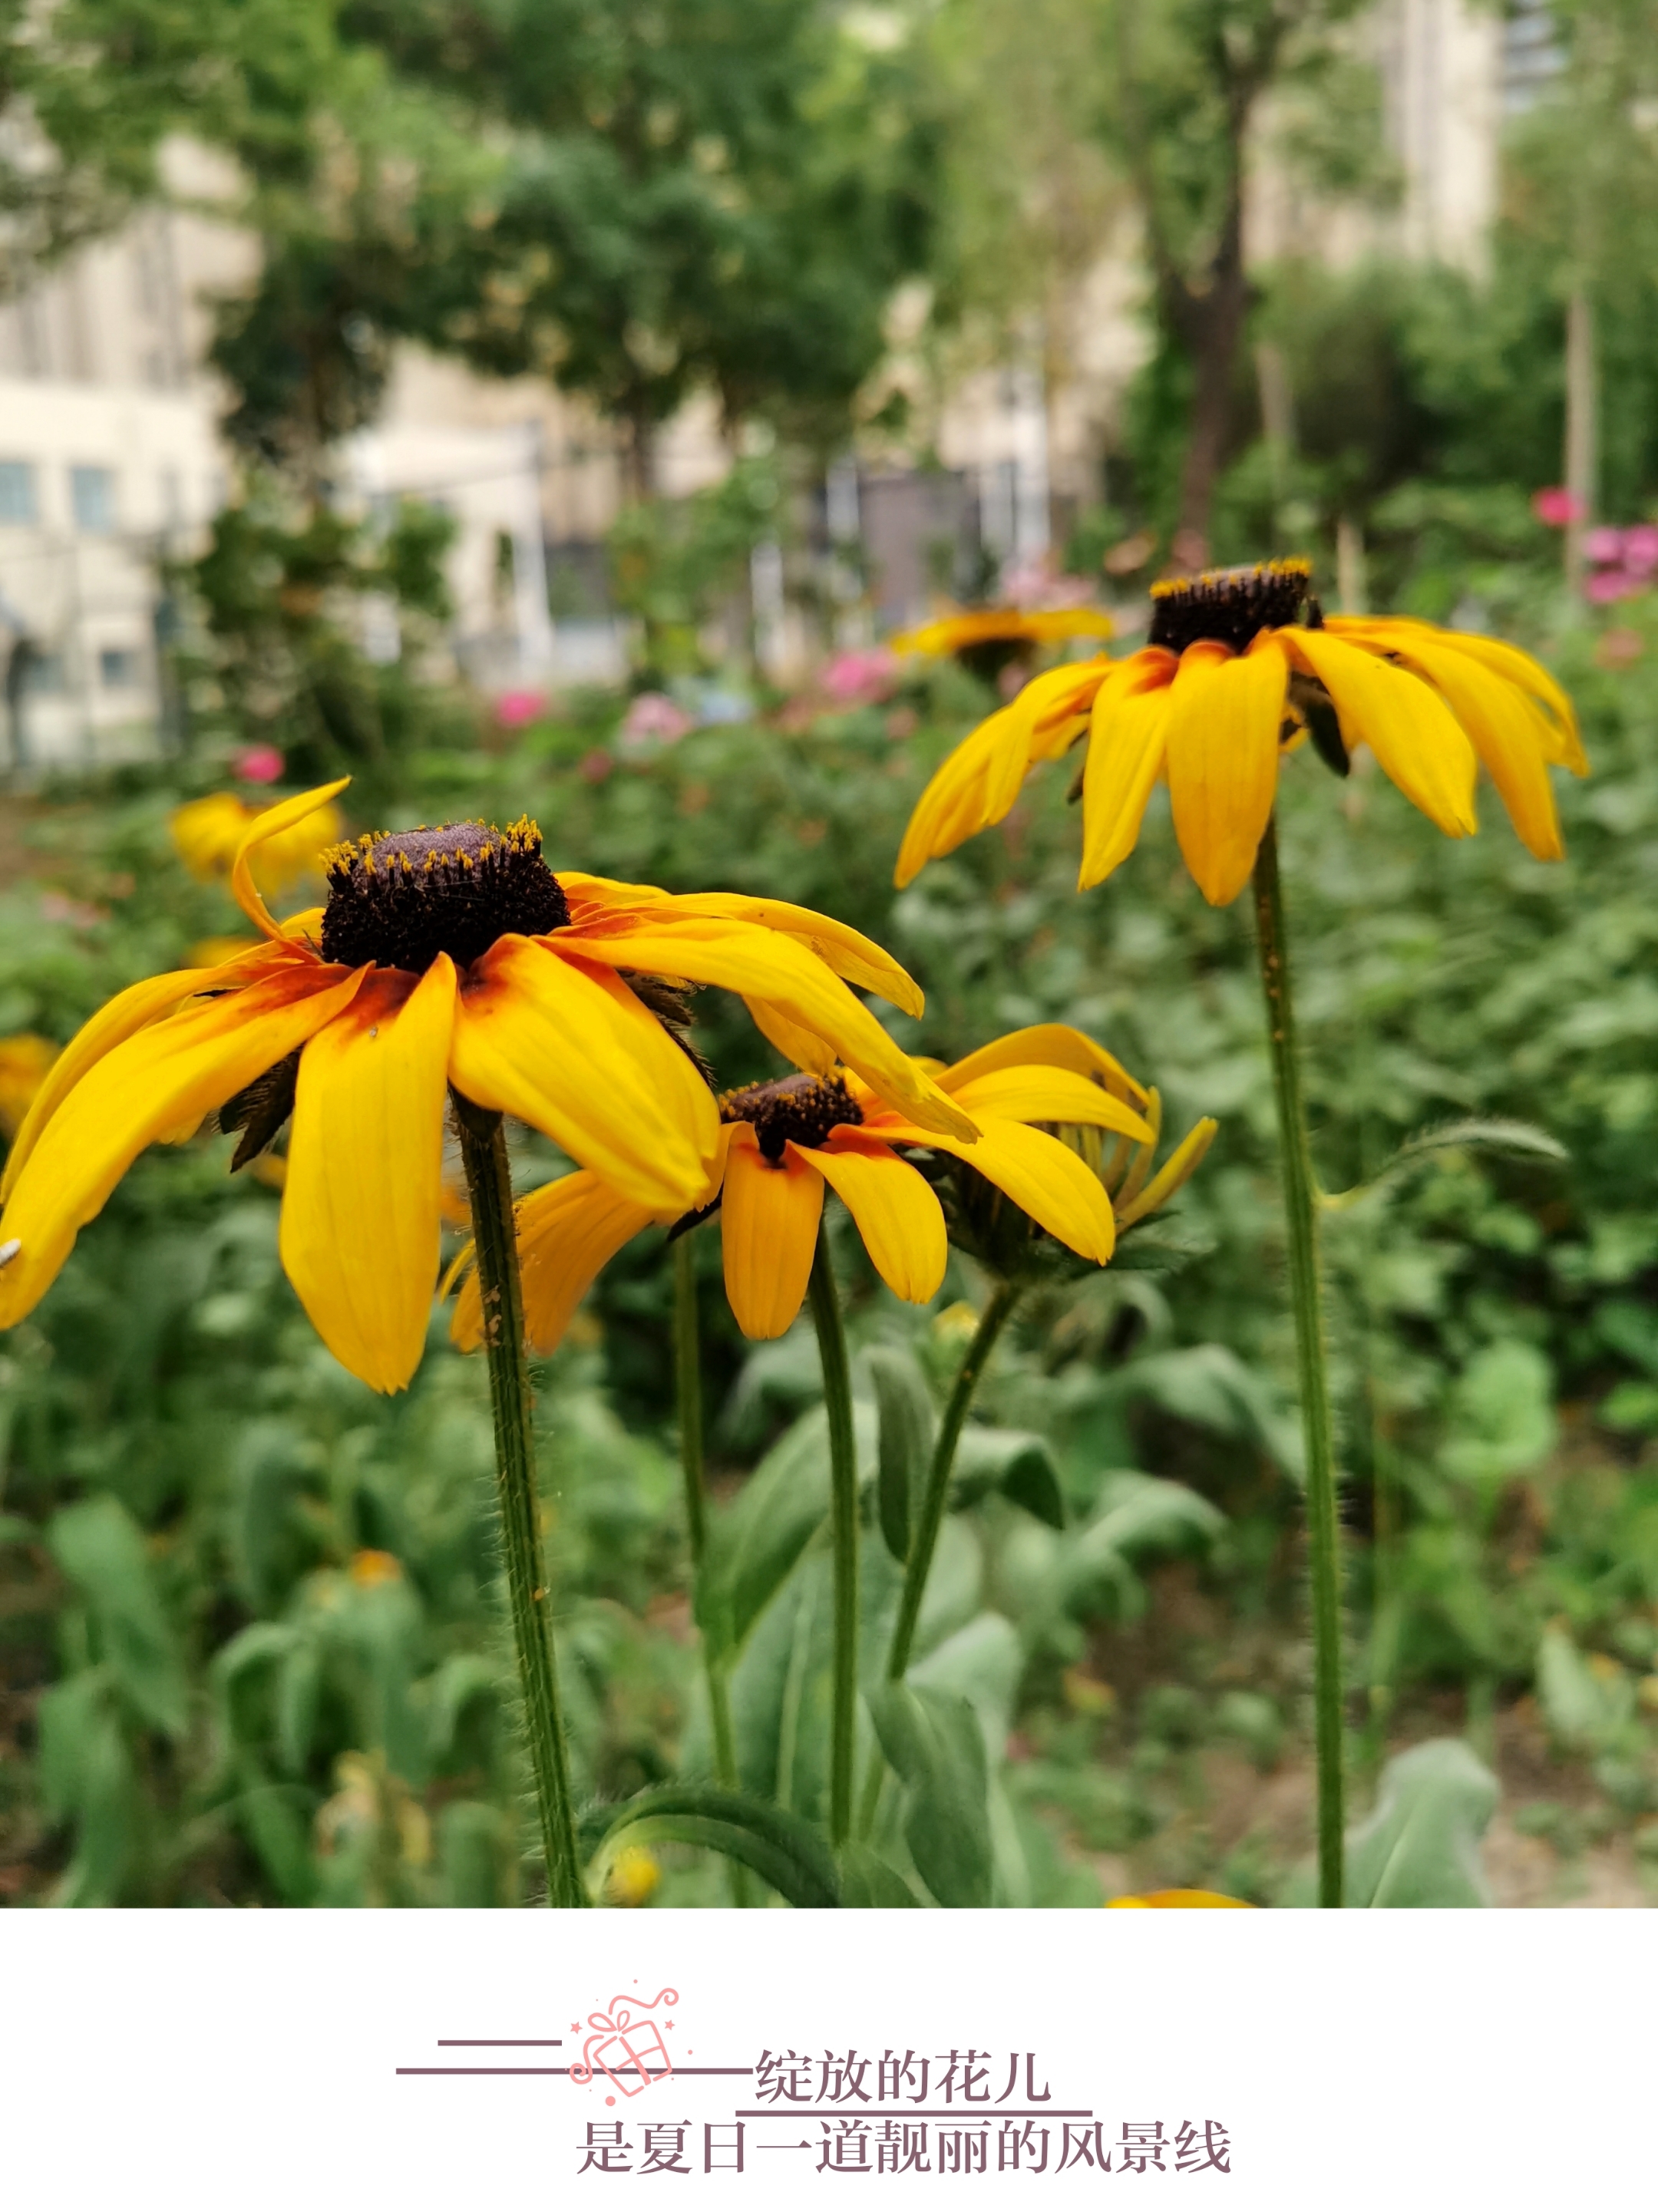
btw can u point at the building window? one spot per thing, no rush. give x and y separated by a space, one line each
45 675
17 491
119 668
91 497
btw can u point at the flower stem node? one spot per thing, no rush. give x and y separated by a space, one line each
399 900
798 1109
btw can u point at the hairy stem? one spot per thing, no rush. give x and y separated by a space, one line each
843 1517
1300 1215
489 1185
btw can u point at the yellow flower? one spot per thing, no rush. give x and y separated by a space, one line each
448 956
209 832
24 1060
1240 663
960 633
634 1876
781 1142
1182 1897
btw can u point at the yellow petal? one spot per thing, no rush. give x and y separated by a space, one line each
568 1049
1404 722
768 1231
779 972
1177 1169
1043 1177
1563 745
1506 726
804 1048
360 1205
1125 759
974 787
264 827
1046 1044
566 1231
1178 1898
1221 739
1049 1094
898 1216
161 1079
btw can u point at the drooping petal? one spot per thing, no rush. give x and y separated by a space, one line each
1046 1044
802 1047
1506 726
1177 1169
566 1231
1126 754
594 901
768 1231
1404 722
568 1047
127 1012
779 972
1049 1094
1563 745
361 1202
898 1216
270 824
1222 742
154 1084
1040 1175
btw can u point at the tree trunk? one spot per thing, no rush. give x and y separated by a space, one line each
1215 323
639 456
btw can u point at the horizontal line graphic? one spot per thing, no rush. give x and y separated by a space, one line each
902 2113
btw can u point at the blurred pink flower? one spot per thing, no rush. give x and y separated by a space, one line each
1604 545
853 678
1557 506
259 764
513 709
596 765
1032 582
1641 547
1611 584
653 715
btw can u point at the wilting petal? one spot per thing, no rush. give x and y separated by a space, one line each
360 1205
781 973
1563 747
1221 741
1404 722
566 1231
1124 757
1049 1094
1043 1177
271 823
161 1081
898 1217
769 1232
1045 1044
568 1049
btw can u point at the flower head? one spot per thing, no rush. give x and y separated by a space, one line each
782 1142
444 957
1241 665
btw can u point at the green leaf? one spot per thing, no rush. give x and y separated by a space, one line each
908 1428
16 1530
933 1742
273 1815
87 1776
1508 1139
754 1543
100 1547
787 1854
869 1884
1211 1387
1421 1846
1138 1513
1587 1702
1015 1461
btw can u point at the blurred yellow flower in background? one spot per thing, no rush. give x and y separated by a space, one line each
24 1060
208 833
959 632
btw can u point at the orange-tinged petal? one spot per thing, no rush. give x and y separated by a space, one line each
1056 703
1043 1177
779 972
1563 745
162 1080
1404 722
271 823
1126 757
1049 1094
1179 1897
566 1231
769 1232
568 1049
1222 742
361 1202
1046 1044
897 1213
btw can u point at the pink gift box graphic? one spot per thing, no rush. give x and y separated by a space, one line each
627 2049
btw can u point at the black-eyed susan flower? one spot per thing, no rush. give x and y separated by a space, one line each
208 833
782 1142
1239 664
444 957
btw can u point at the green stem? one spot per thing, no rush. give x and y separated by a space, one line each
1300 1215
923 1542
688 1380
489 1187
843 1516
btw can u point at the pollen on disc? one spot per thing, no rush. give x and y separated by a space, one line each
399 900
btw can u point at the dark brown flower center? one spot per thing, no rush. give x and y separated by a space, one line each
800 1108
1232 605
398 901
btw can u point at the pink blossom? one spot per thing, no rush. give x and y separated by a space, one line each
1557 506
596 765
259 764
1641 549
1611 584
513 709
653 716
1604 545
853 677
1031 583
